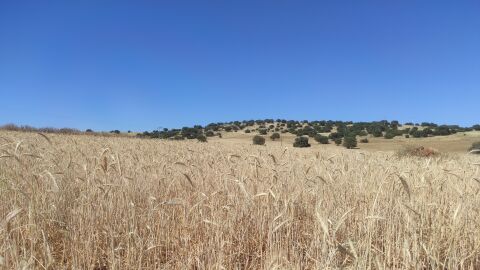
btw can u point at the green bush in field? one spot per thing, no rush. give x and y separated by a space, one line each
262 131
275 136
350 142
202 138
321 139
390 134
338 141
258 140
301 142
419 134
362 133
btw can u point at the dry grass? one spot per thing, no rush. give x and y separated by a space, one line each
86 202
418 151
458 143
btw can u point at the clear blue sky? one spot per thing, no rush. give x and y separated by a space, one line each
143 64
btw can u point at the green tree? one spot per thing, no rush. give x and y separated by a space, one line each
335 135
338 141
350 142
390 134
419 134
362 133
301 142
377 133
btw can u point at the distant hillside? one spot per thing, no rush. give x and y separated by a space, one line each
332 129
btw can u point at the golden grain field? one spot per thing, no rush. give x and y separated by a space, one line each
86 202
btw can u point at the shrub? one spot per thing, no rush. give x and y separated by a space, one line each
210 133
476 127
202 138
66 131
362 133
258 140
475 148
11 127
275 136
190 133
321 139
350 142
247 130
338 141
419 134
407 136
377 133
301 142
219 135
178 138
442 131
412 130
143 135
262 131
116 131
389 134
427 124
335 135
88 130
428 131
364 140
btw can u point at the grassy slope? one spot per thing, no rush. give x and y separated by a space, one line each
457 143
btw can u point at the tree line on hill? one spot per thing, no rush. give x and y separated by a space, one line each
337 129
339 132
325 131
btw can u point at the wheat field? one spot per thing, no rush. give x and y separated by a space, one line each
86 202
